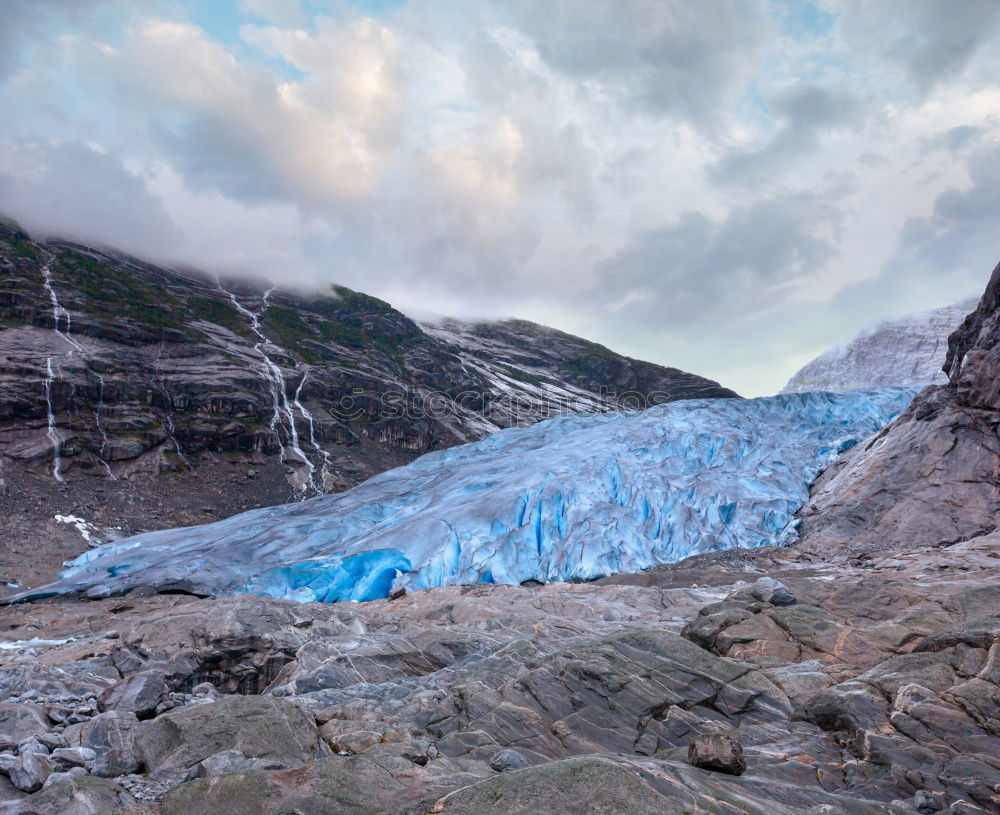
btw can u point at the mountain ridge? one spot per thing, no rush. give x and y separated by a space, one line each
855 672
910 350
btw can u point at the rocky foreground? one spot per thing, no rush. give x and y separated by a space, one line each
766 682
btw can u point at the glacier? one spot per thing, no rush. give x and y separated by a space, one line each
573 497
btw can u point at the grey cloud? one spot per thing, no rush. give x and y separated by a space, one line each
811 106
18 23
281 12
76 192
808 111
697 269
494 76
956 139
943 257
666 56
24 22
213 152
963 228
930 40
720 295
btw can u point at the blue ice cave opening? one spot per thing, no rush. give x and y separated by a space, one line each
361 577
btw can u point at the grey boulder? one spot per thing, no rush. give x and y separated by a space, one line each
138 694
64 758
508 759
72 795
112 737
256 726
52 741
29 772
20 722
769 590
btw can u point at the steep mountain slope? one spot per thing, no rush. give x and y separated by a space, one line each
576 497
908 351
933 476
529 364
138 397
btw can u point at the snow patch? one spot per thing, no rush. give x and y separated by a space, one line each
20 645
85 528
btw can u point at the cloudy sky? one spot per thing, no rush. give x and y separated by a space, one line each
727 186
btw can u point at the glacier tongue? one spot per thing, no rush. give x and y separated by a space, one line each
571 497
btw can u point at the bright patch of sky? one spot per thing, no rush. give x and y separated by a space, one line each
804 19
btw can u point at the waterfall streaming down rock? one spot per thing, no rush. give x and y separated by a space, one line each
60 318
58 314
283 416
575 497
325 456
100 427
53 431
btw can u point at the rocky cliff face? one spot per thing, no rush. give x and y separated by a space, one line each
933 476
909 351
137 397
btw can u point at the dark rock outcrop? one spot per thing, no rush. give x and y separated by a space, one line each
718 753
933 476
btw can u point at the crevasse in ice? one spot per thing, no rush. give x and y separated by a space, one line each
572 497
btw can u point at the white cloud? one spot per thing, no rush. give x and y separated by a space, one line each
701 184
237 126
72 190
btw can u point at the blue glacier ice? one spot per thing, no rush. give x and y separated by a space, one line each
572 497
